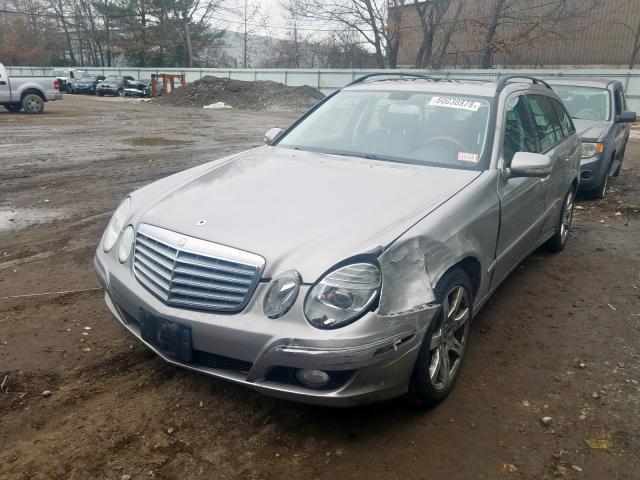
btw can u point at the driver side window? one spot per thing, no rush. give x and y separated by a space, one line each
519 132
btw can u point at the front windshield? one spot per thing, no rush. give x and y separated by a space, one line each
112 78
410 127
585 103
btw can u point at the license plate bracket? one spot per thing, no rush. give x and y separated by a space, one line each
171 338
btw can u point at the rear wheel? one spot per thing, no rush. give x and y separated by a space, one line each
444 344
32 103
13 108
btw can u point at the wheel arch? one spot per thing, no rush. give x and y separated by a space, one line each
35 91
472 267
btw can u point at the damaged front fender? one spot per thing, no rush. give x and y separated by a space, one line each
406 286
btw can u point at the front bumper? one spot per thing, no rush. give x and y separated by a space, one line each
107 90
371 359
84 89
592 171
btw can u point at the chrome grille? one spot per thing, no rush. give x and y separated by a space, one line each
188 272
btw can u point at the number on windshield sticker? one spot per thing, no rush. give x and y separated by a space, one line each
453 102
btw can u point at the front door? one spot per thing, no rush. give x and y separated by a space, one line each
522 200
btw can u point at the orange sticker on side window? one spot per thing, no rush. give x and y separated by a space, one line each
468 157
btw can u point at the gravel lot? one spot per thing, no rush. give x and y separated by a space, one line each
560 339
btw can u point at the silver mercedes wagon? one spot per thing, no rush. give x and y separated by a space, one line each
342 262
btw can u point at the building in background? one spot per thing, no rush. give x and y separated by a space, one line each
518 33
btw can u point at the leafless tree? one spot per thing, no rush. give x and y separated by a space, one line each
367 17
250 17
635 48
431 14
510 23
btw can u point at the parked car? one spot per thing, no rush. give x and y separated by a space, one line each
599 111
112 85
141 88
27 93
66 76
86 84
353 276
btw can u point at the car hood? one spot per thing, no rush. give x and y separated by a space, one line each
591 129
302 210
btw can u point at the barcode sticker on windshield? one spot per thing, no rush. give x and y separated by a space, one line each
468 157
453 102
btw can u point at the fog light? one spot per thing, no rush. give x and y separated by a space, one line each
312 378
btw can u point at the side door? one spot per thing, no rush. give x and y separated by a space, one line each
521 199
5 88
553 143
569 152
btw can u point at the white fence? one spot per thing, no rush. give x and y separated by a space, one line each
328 80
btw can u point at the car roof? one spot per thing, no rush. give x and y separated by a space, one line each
458 86
584 82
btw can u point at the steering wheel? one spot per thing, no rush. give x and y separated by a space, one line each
443 140
587 114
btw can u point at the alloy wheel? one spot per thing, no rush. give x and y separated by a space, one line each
449 340
567 217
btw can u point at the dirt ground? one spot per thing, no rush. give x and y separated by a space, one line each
560 338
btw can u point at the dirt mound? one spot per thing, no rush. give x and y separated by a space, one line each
258 95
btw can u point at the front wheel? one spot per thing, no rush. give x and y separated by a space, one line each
445 342
32 103
559 239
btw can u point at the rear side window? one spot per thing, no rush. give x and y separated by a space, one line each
519 131
547 125
563 117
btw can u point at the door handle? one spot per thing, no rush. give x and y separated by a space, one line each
2 82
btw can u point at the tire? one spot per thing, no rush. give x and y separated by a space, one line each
100 94
32 103
621 161
559 240
600 191
433 378
13 108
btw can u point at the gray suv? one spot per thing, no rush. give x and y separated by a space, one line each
342 262
599 110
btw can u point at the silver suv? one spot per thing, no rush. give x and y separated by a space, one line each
342 262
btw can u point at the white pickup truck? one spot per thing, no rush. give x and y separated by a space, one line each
27 93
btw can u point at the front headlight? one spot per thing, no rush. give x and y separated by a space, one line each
591 149
343 295
126 244
116 223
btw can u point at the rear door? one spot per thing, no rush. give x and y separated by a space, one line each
554 143
522 200
570 149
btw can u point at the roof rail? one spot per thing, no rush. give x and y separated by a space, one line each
504 80
390 74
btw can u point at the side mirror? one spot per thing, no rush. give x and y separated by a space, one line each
526 164
271 135
626 117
